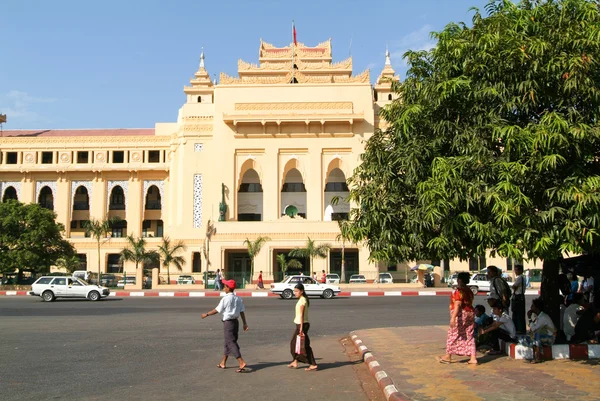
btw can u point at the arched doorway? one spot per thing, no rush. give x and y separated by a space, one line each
46 198
81 200
250 197
336 187
10 193
293 193
153 200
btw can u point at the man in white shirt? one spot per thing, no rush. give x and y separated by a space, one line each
541 328
502 328
571 316
231 308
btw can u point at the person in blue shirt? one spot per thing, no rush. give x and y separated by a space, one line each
482 320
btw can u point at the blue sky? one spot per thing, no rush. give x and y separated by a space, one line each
123 64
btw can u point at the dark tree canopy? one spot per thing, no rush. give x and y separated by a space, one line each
494 142
30 238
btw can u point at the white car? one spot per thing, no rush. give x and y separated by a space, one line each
385 278
479 282
285 289
185 280
332 278
357 279
50 288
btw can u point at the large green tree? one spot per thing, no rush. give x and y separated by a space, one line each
494 143
30 238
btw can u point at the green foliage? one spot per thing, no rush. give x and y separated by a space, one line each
294 264
99 229
494 142
136 252
69 262
30 238
168 253
311 250
254 248
283 265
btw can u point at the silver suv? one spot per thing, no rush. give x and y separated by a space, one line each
50 288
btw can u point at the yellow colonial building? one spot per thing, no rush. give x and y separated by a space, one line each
260 154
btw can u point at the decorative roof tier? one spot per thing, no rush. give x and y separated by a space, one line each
387 74
201 79
306 65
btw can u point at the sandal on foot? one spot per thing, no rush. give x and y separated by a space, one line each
241 370
311 369
221 366
442 360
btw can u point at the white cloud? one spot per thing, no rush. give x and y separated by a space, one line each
416 40
19 106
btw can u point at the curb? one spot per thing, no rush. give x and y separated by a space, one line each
557 351
261 294
384 381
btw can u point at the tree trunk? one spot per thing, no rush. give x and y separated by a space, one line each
98 261
168 275
549 290
343 263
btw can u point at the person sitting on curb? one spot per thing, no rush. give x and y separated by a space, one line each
542 331
587 328
502 328
482 320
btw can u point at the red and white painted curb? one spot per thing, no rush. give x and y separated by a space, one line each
390 391
557 351
262 294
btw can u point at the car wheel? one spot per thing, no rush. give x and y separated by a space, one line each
287 294
327 294
48 296
94 296
474 289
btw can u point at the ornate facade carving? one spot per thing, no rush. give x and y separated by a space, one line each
41 184
301 78
65 157
29 157
15 184
302 65
294 106
198 147
136 156
197 128
86 184
197 200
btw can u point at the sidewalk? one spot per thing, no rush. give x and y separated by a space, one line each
403 362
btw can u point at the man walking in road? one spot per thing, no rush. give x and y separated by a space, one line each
231 308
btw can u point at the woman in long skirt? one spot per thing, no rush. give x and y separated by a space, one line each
302 326
461 339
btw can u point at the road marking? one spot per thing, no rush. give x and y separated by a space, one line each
427 293
166 294
260 294
393 293
136 294
389 390
11 293
197 294
359 294
380 375
373 364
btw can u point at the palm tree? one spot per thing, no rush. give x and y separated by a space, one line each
294 264
283 265
311 250
69 262
343 236
167 252
254 248
100 229
136 252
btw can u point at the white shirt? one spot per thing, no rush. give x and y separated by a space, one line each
570 319
230 306
507 324
542 323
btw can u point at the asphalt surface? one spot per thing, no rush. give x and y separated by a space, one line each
161 349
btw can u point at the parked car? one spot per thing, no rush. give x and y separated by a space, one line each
285 289
129 280
109 280
185 280
478 282
357 279
385 278
50 288
332 278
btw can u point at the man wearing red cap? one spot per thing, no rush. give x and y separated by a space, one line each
231 308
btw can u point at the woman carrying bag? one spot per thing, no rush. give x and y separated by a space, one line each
302 326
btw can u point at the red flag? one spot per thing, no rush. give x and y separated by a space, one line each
294 33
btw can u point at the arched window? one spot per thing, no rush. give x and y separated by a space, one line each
81 200
293 193
390 96
199 99
10 193
46 198
153 201
250 197
117 199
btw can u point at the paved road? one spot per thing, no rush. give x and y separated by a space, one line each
160 349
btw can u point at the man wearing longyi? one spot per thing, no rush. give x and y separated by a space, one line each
231 309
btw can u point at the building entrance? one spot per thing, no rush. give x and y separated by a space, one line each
350 259
237 267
